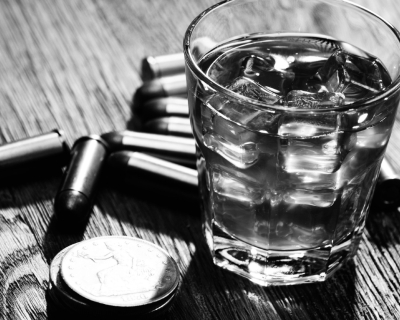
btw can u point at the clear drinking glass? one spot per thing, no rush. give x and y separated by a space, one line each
292 104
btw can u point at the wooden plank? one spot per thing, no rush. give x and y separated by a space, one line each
74 65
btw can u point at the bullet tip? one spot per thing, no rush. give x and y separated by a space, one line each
159 125
151 109
117 161
149 90
72 207
113 140
150 69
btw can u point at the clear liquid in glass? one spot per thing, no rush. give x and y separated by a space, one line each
285 196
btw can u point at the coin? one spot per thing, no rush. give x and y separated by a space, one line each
56 264
54 289
87 307
74 304
120 271
59 292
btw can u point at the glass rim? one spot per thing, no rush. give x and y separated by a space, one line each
386 94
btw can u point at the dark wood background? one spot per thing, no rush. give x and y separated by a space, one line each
75 65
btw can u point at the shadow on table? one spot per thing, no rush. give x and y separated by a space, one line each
333 299
139 207
383 226
219 294
28 189
35 193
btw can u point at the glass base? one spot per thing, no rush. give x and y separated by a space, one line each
271 267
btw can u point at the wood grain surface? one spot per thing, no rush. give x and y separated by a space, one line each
74 65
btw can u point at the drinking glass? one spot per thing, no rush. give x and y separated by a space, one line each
292 104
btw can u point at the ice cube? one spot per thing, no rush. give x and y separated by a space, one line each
240 188
309 100
366 73
257 181
265 121
316 155
312 181
236 217
232 141
239 219
235 112
254 67
253 90
303 225
331 76
357 77
242 156
270 74
233 132
298 125
251 116
321 199
256 177
311 163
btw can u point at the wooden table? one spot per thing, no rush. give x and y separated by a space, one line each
74 65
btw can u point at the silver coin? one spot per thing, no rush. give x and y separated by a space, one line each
120 271
58 289
56 264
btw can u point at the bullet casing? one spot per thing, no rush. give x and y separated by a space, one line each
177 149
174 85
42 152
136 161
75 197
153 175
162 87
161 66
174 126
163 107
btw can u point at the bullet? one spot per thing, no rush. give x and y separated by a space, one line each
162 107
172 64
74 199
184 161
162 87
152 173
162 66
32 155
177 149
388 188
174 126
131 161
